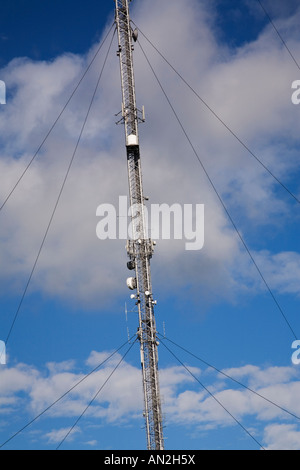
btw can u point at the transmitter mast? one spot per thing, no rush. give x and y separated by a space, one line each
140 247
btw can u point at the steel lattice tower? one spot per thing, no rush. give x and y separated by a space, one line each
140 247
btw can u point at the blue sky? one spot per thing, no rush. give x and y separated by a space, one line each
211 302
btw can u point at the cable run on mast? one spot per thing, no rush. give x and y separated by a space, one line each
140 247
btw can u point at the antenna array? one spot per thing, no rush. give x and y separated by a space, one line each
140 248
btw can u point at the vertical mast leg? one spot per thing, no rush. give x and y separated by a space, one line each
140 248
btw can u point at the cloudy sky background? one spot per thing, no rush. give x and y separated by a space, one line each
212 301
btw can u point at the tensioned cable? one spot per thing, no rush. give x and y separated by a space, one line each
96 395
60 193
66 393
278 33
231 378
219 197
221 120
56 120
213 396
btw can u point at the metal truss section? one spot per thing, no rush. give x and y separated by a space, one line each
140 247
129 110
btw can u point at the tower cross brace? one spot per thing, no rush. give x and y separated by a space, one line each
140 247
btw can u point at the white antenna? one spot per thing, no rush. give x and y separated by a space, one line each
140 248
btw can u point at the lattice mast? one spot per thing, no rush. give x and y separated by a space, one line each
140 247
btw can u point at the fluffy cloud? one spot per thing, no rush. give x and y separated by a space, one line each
242 86
185 401
282 437
57 435
279 385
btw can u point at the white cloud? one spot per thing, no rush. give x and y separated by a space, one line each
57 435
250 89
92 443
282 270
185 402
15 379
258 377
74 264
282 437
279 385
